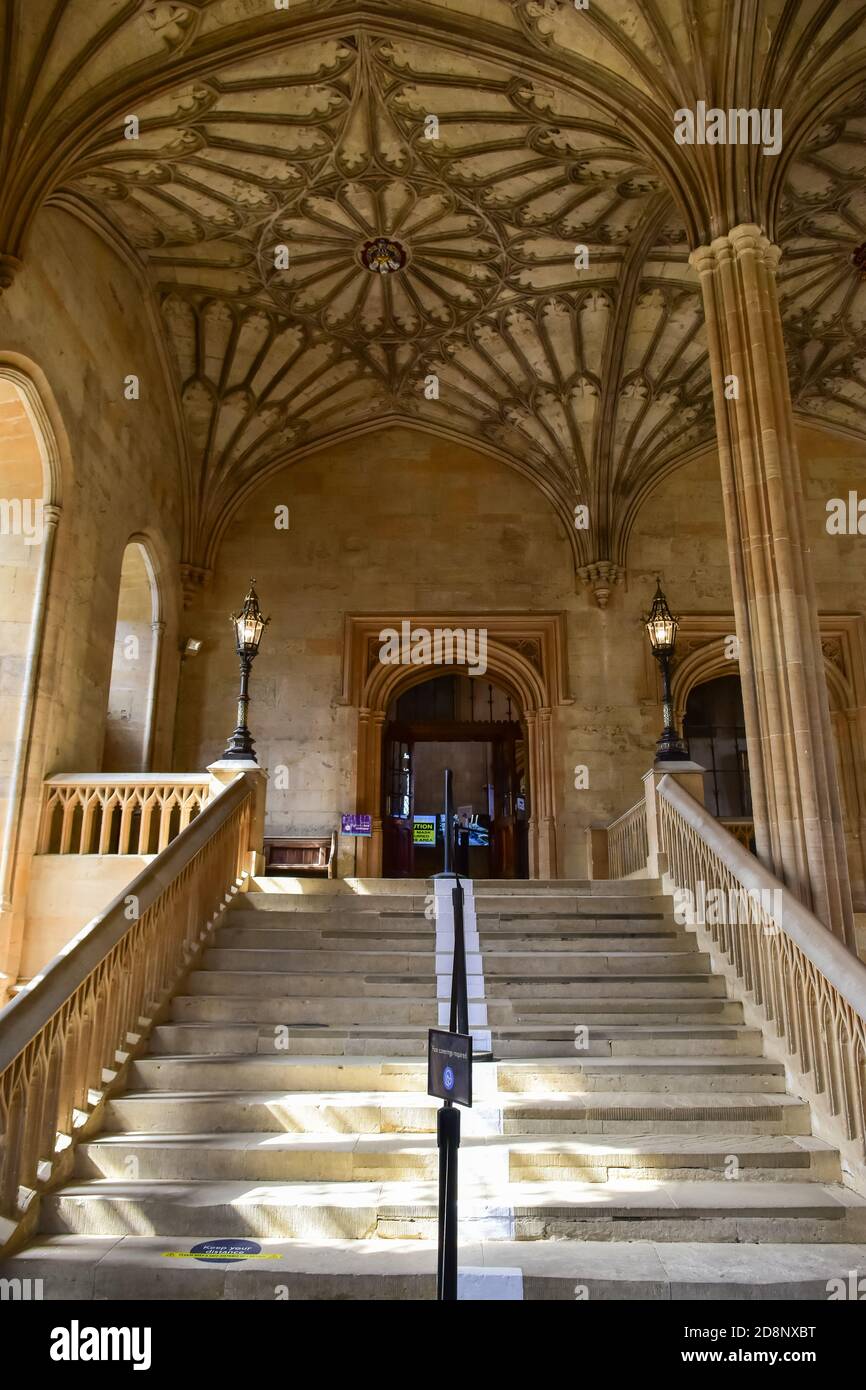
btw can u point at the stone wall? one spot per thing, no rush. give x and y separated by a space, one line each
75 323
402 521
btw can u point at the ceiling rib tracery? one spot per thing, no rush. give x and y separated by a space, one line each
516 156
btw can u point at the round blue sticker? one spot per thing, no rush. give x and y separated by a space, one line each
218 1251
448 1079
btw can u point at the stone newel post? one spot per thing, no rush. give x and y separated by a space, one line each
795 797
690 776
225 771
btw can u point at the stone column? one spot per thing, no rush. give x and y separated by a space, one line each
547 865
795 796
530 723
157 631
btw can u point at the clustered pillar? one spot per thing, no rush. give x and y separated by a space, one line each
797 809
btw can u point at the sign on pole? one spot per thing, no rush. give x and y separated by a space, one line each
449 1066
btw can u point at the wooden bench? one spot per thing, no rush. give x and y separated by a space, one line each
301 856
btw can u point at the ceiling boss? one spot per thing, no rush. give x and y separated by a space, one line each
383 255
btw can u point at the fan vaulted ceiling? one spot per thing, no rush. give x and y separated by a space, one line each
275 146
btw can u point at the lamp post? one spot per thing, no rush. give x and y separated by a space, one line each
661 625
249 626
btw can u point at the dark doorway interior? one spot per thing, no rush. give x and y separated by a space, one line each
467 724
715 728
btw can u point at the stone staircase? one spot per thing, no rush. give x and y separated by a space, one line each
629 1139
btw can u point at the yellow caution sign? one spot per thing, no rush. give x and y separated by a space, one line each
424 830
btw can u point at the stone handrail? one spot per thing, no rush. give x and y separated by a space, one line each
627 845
795 978
118 813
64 1037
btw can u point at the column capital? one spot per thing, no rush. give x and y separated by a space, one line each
744 239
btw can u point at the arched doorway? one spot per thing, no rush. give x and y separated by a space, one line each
707 658
715 727
130 716
474 727
526 656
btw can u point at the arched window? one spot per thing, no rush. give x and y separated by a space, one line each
22 525
130 717
715 727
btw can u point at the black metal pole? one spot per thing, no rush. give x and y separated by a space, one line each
448 819
459 998
448 1119
240 745
448 1139
670 747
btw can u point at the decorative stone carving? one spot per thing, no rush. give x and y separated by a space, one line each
175 23
589 374
601 576
193 579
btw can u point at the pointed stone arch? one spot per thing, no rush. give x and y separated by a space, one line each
702 644
27 390
526 655
140 617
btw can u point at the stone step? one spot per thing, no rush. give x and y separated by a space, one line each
503 945
511 909
604 1040
260 1072
298 936
305 962
148 1267
349 924
372 983
330 1157
587 937
614 1008
537 889
267 1072
328 904
530 929
296 1009
628 1073
388 1112
594 983
618 1210
582 963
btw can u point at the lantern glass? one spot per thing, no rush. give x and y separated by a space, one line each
249 624
661 625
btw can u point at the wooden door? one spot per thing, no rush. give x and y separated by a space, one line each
503 840
397 805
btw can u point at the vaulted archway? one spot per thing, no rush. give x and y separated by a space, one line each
525 656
